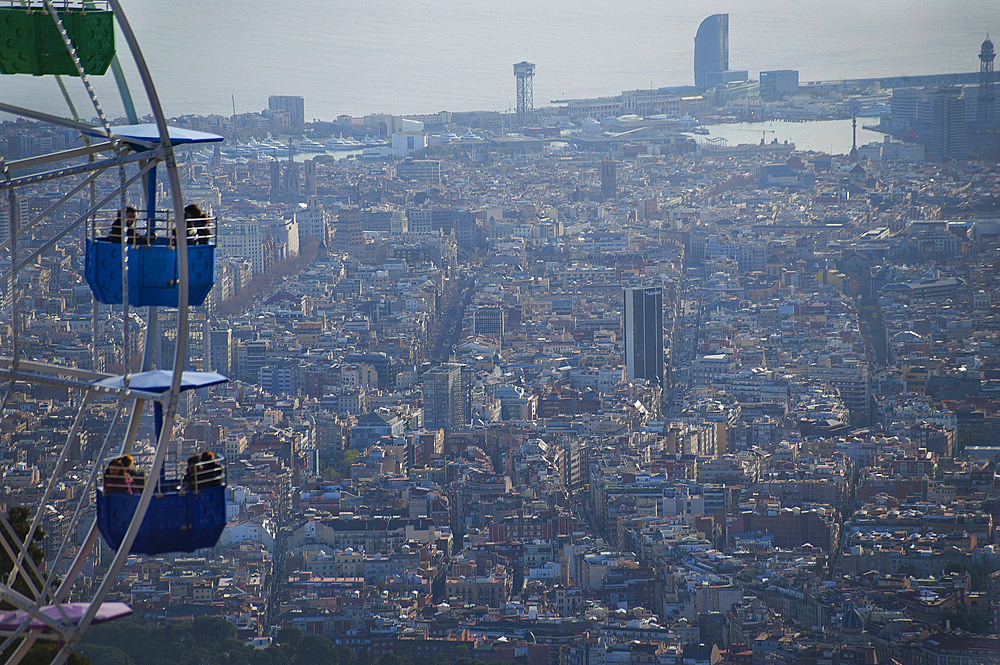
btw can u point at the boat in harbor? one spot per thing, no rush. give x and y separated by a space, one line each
308 145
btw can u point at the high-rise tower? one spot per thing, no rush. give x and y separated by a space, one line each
294 106
609 186
949 131
711 48
525 74
644 334
987 111
442 388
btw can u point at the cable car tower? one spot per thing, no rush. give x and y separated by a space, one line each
97 199
524 72
986 112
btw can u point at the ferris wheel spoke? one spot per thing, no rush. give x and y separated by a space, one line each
55 206
51 119
72 153
76 567
16 375
21 568
79 220
22 649
52 483
79 169
111 163
30 607
13 635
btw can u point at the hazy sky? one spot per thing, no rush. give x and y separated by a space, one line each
422 56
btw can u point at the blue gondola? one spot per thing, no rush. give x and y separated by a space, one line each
179 518
174 522
152 263
152 272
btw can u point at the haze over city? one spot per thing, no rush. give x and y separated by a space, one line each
635 334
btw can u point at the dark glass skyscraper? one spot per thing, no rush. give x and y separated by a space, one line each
711 48
609 187
949 129
644 334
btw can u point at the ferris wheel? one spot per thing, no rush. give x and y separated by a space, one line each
91 201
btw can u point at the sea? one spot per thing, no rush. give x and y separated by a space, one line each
423 56
834 137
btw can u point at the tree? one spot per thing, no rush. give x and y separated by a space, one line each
239 656
212 629
20 521
344 655
315 650
105 655
169 654
349 457
288 635
977 622
278 655
43 653
19 518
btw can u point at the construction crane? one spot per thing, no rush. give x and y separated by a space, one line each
763 133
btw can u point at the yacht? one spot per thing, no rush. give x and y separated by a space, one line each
337 143
308 145
239 150
271 143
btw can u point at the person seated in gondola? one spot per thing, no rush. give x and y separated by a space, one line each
197 225
121 477
115 235
190 481
133 480
209 471
114 477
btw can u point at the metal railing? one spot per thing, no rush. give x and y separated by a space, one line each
60 5
191 477
160 230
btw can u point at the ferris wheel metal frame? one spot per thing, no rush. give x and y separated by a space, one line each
46 613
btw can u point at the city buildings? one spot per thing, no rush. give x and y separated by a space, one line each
293 106
443 397
451 428
489 321
949 127
778 84
420 171
643 338
608 185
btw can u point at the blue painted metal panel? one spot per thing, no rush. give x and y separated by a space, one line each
174 522
152 273
148 132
